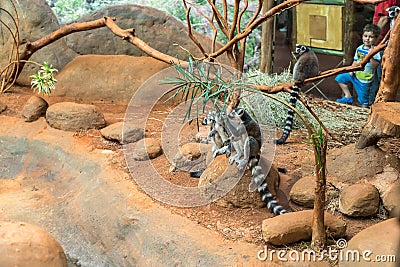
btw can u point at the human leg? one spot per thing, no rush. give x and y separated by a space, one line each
342 80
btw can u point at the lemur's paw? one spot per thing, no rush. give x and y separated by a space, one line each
232 159
241 164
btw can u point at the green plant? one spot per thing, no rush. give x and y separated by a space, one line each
44 81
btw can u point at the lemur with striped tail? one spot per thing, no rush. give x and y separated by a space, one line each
218 135
246 139
306 67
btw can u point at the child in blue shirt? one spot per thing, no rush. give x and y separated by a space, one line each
361 80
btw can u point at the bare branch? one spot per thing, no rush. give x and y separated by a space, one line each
129 36
222 23
246 4
255 15
190 34
235 19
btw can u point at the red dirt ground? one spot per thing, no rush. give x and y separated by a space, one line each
232 223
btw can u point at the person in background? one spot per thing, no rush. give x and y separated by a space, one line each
381 17
361 80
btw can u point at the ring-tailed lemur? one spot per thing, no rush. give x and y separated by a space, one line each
219 137
218 133
305 67
393 12
246 138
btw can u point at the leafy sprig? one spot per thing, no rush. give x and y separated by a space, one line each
44 81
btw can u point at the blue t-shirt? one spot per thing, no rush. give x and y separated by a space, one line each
367 74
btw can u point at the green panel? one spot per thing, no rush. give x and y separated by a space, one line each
326 2
328 51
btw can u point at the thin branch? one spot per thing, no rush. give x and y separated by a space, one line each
246 4
304 102
225 8
190 34
234 20
255 15
222 23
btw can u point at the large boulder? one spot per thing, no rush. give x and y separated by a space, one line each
23 244
375 246
161 31
70 116
239 196
109 79
36 20
348 165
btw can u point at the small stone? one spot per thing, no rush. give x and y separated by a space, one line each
124 134
147 148
34 108
359 200
302 192
3 107
191 157
295 226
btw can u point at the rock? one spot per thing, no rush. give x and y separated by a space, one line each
153 26
38 21
302 192
23 244
381 239
391 200
3 107
105 78
114 132
295 226
388 183
70 116
34 108
239 196
147 148
350 165
359 200
191 157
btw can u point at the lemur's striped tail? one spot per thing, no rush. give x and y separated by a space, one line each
262 187
294 94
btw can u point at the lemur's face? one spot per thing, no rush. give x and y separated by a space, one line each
393 12
236 115
300 49
209 119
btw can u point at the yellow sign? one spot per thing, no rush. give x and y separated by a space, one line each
320 26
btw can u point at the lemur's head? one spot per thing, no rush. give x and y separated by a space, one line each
393 12
209 119
300 49
236 115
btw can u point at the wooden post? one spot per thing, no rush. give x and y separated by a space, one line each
348 46
267 40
